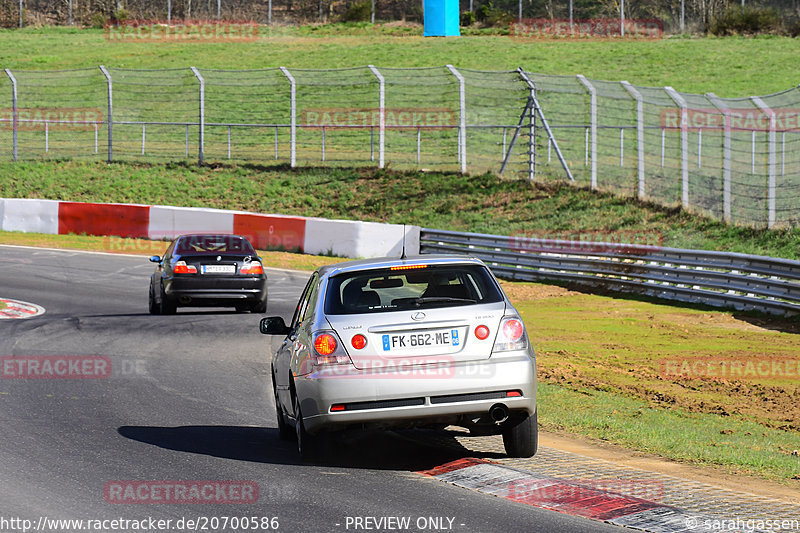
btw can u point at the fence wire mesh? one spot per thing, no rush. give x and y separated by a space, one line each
732 159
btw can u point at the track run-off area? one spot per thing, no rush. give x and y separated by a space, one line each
171 419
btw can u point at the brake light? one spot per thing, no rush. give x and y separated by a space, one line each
511 335
337 407
358 341
325 344
408 267
512 329
182 268
253 267
482 332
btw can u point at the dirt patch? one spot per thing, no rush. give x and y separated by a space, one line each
533 291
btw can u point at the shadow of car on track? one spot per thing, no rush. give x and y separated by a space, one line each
412 450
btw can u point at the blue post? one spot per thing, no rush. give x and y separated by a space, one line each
441 18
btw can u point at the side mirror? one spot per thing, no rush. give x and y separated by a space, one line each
155 259
273 325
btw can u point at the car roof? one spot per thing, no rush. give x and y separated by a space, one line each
387 262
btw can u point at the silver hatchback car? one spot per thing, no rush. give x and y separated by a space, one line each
399 343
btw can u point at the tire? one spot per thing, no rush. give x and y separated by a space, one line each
306 443
312 448
167 307
522 440
152 306
284 431
259 307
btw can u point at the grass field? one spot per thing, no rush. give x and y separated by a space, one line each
602 379
731 66
482 204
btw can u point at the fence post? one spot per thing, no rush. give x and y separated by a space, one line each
202 117
14 114
593 125
535 107
726 155
772 159
680 102
20 13
462 128
293 115
639 133
110 117
382 114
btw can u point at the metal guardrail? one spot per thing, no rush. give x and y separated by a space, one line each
720 279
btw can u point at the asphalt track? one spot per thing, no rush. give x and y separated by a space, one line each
188 399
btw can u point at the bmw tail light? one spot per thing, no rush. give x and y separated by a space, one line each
328 349
252 267
511 335
182 268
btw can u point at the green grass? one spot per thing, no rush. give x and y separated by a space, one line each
482 203
730 66
736 445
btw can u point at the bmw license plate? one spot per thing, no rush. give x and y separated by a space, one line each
218 269
405 341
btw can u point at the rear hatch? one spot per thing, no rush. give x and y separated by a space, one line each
415 315
413 338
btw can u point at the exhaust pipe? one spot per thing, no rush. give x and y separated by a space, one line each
498 413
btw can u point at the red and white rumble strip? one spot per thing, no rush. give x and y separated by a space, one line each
594 500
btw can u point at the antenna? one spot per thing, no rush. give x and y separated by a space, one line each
403 255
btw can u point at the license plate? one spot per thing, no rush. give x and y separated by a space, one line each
405 341
218 269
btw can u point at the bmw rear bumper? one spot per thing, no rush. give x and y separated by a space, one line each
213 290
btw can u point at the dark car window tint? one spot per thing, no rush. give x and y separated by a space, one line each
419 288
214 244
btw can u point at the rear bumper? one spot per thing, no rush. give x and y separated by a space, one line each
211 290
403 398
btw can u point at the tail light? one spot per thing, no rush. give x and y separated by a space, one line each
252 267
182 268
328 350
511 335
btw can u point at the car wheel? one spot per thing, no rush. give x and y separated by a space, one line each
522 440
284 431
259 307
152 306
167 307
306 446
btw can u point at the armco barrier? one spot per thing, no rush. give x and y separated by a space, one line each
720 279
343 238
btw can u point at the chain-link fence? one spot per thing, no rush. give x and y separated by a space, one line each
736 160
675 16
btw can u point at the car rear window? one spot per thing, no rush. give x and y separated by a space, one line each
418 287
214 244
